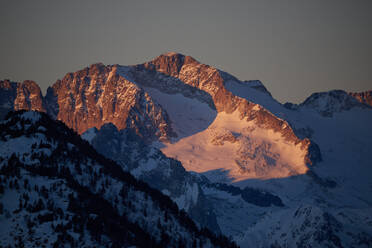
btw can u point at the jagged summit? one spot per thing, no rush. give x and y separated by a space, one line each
170 63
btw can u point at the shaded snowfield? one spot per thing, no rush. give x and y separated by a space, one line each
188 116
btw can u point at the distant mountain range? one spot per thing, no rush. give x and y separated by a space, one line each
236 160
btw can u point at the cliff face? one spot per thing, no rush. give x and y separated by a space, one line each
20 96
29 97
98 95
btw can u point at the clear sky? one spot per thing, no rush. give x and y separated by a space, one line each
294 47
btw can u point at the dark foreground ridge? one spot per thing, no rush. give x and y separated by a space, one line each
57 190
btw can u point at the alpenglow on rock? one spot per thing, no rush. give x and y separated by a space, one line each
98 95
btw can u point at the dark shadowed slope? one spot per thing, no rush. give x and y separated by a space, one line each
56 189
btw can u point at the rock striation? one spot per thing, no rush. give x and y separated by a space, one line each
98 94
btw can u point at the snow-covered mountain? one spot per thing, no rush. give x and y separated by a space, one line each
219 133
56 190
224 150
329 103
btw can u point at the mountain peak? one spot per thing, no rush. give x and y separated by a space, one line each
172 54
327 103
170 63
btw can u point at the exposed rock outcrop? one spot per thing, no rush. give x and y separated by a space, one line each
97 95
20 96
363 97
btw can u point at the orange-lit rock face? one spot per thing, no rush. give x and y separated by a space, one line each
29 97
363 97
18 96
98 95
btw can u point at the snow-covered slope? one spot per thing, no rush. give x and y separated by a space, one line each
56 190
240 149
188 115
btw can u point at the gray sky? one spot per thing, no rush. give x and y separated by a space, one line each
294 47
